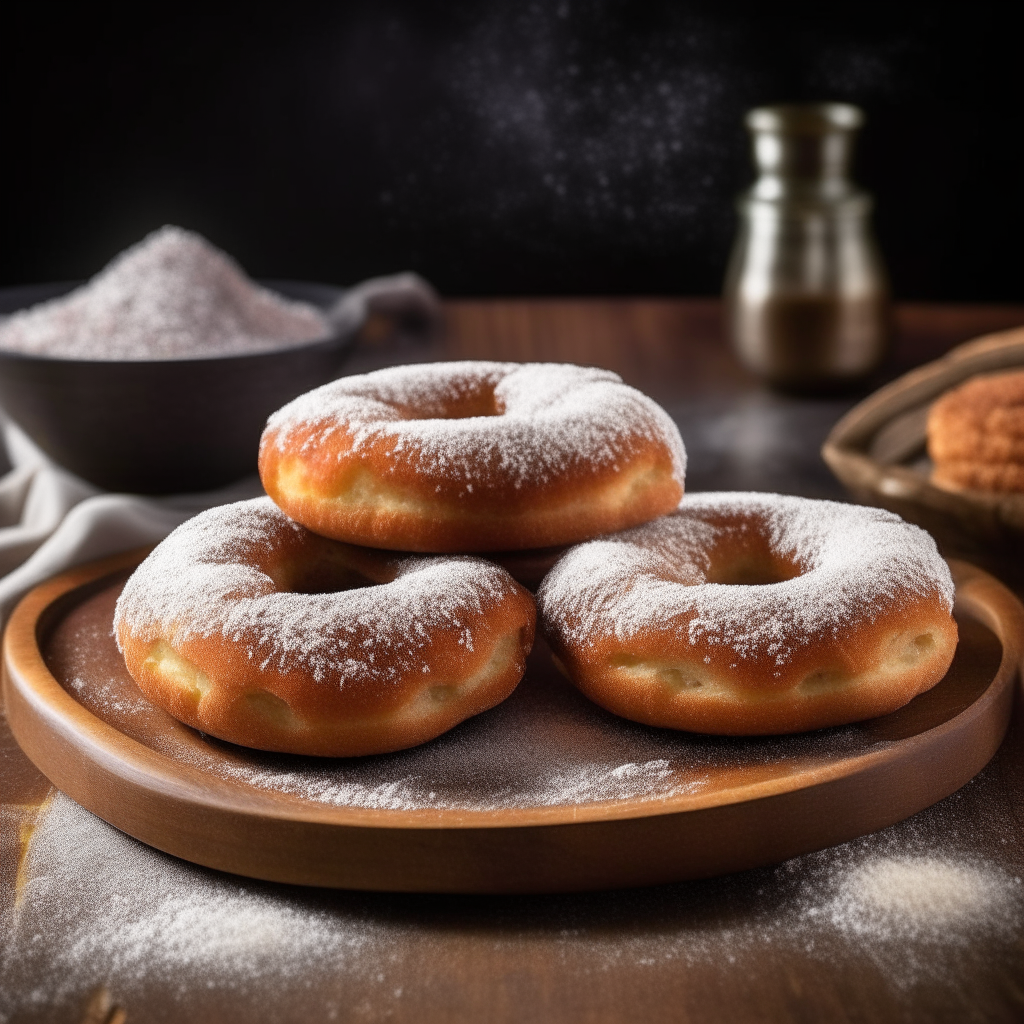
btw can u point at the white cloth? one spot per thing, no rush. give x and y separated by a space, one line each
51 520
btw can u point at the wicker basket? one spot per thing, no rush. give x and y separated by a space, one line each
878 451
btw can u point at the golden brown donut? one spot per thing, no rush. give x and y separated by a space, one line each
473 456
251 628
747 614
976 434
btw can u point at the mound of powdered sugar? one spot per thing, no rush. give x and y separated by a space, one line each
551 420
171 296
854 563
201 582
897 897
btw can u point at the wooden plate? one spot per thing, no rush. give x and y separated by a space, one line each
546 792
878 451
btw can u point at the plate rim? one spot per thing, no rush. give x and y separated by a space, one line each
978 595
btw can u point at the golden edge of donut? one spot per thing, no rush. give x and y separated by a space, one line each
239 703
358 505
677 690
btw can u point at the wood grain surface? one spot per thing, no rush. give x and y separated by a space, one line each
95 924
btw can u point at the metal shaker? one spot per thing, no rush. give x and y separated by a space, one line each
807 299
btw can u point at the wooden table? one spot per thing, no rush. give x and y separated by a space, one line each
769 945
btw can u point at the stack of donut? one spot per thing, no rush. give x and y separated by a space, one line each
367 604
352 614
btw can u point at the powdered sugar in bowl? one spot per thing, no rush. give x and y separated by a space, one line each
158 375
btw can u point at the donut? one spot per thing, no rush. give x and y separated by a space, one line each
472 456
247 626
747 614
976 434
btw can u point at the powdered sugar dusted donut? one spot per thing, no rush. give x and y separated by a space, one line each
473 456
745 614
249 627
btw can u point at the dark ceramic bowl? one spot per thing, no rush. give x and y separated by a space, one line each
162 426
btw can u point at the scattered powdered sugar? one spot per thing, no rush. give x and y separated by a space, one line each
855 563
912 901
567 785
95 907
124 705
207 579
925 897
98 907
917 913
917 900
522 423
170 296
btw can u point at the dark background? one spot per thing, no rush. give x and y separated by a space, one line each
501 148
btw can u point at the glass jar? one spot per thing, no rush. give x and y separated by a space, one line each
807 300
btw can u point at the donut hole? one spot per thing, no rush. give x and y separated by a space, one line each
326 578
752 569
742 552
325 568
467 405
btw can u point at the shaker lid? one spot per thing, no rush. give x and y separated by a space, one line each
805 118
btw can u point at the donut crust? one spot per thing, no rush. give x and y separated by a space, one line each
220 670
663 659
467 457
886 666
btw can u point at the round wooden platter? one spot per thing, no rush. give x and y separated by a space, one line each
544 793
878 451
